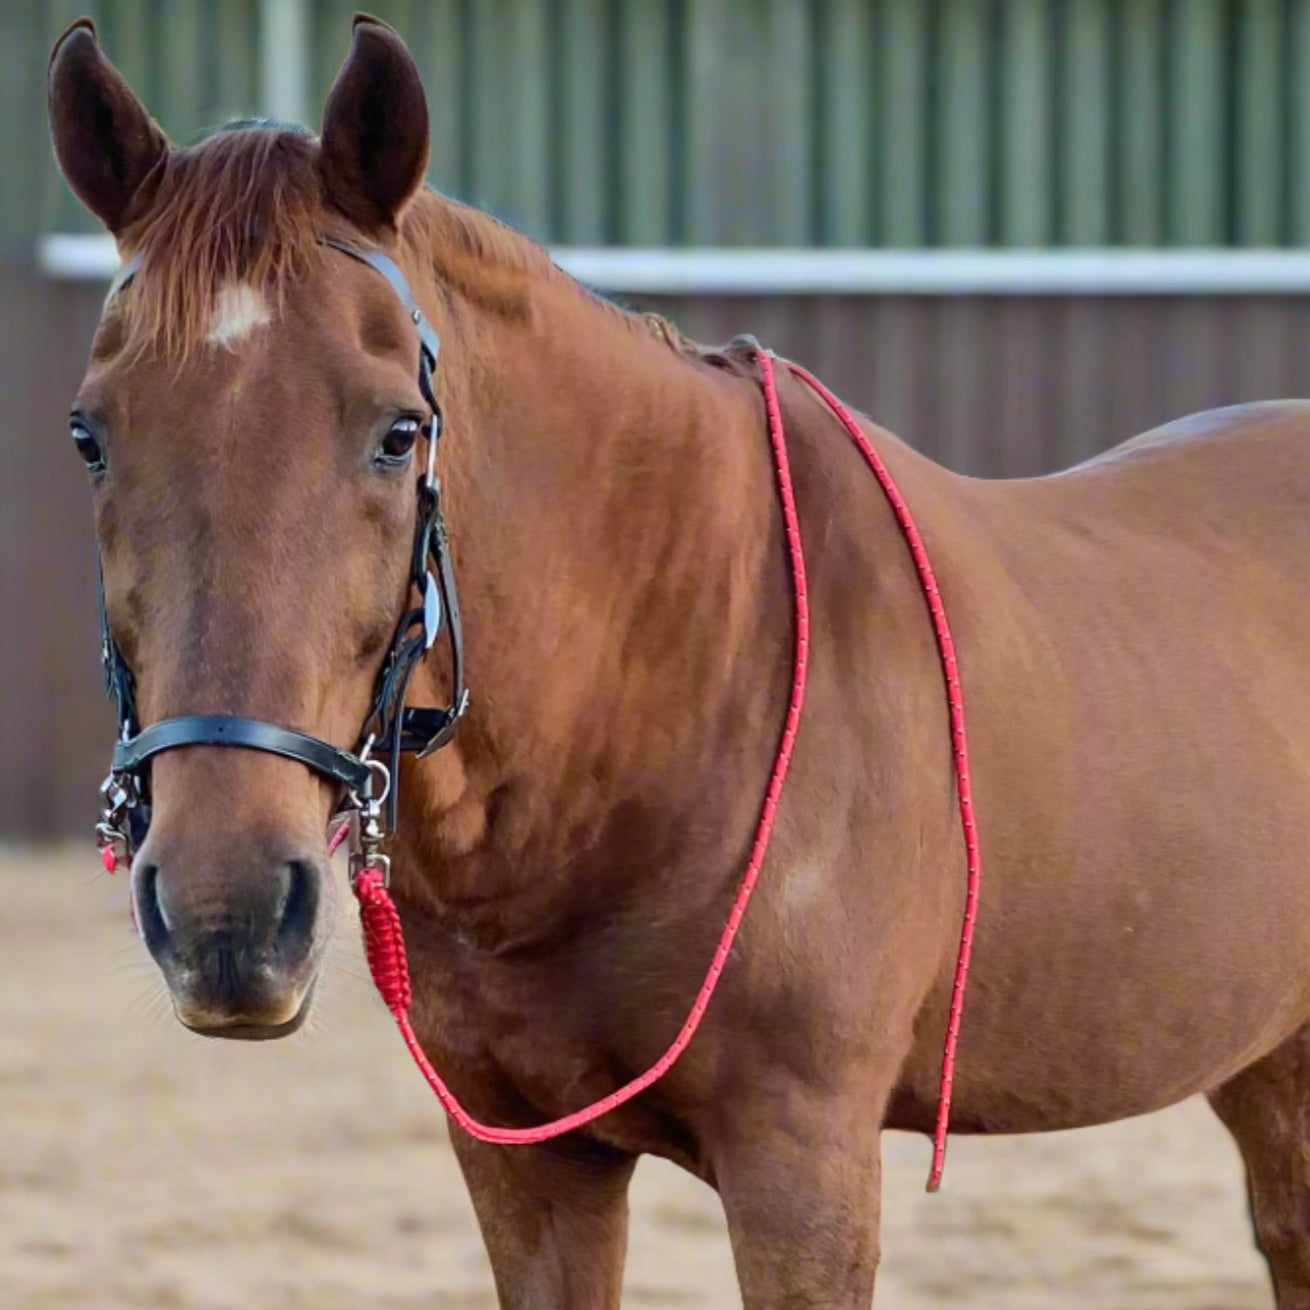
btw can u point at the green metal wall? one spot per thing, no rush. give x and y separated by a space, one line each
789 122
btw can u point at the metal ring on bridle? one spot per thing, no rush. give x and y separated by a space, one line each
376 770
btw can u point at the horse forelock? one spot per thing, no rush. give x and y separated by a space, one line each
243 207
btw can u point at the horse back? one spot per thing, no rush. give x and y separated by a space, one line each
1255 453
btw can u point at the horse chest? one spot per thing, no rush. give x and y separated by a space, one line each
528 1041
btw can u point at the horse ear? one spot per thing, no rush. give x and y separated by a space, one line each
375 134
105 141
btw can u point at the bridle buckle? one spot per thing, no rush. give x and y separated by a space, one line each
113 833
362 862
367 833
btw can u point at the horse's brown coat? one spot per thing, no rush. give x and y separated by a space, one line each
1132 633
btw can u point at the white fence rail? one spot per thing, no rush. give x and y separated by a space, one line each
761 272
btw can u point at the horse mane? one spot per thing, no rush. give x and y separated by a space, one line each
245 205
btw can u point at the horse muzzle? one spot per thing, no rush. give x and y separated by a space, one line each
239 948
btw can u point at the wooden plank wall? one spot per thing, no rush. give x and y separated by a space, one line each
988 386
52 703
790 122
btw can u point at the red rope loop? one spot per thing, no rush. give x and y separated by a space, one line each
383 936
385 944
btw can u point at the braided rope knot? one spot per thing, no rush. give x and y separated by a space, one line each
384 942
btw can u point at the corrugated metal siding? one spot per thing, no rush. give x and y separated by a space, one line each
988 386
796 122
194 62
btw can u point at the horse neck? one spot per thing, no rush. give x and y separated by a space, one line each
616 539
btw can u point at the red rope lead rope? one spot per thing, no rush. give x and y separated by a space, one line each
960 744
384 940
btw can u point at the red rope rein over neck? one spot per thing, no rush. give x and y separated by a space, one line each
384 939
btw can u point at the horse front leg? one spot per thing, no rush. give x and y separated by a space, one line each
554 1220
799 1173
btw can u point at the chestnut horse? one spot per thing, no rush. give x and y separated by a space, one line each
1132 635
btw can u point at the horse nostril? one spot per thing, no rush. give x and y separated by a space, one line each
299 907
151 920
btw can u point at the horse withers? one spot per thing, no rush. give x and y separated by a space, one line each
258 410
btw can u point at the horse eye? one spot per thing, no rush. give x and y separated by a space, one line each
399 441
88 447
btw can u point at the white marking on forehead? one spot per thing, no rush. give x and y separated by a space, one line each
238 310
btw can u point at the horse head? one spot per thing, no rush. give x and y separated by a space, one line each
256 412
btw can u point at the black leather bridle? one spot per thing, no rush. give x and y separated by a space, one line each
391 728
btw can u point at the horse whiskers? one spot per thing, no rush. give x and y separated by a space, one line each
343 954
153 1004
135 969
352 974
316 1024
